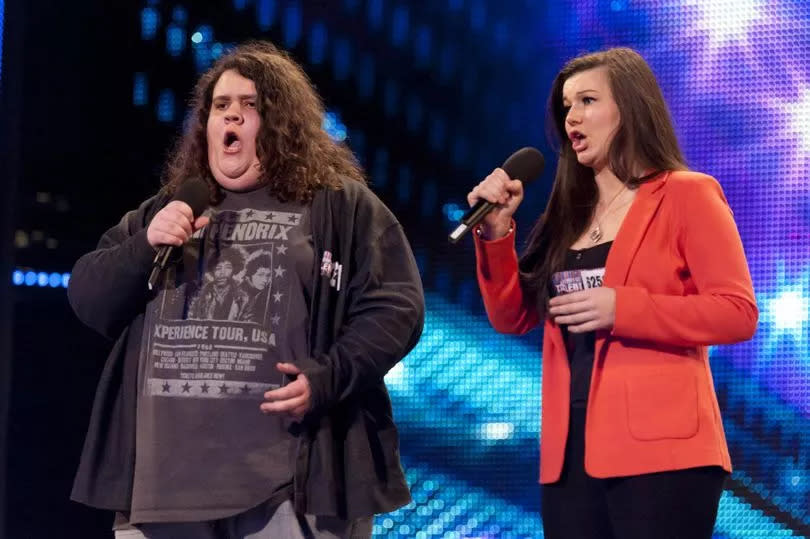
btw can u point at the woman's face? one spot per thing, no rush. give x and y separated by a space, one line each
592 116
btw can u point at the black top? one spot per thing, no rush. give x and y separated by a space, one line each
583 270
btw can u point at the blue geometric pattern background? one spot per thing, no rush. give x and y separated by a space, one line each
466 81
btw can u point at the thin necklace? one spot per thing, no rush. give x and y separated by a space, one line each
596 232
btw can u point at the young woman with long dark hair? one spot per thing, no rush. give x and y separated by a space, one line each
634 269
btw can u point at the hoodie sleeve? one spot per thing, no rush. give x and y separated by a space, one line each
384 318
107 286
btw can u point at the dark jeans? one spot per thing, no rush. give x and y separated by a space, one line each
680 504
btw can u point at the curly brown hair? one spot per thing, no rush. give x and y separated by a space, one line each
296 155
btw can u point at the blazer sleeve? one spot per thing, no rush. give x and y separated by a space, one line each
724 308
508 308
107 286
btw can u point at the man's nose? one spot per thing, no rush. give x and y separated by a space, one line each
233 114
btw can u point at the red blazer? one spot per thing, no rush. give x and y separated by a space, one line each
682 283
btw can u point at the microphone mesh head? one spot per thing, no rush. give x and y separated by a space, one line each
525 165
193 192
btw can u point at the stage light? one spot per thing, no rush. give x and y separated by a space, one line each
396 376
399 25
150 19
333 126
374 12
266 14
496 431
203 34
453 212
180 15
139 90
291 28
789 310
165 106
799 118
175 40
726 20
317 43
342 61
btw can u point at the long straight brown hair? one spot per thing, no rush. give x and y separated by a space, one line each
644 140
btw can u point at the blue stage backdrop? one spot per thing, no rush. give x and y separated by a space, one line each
433 95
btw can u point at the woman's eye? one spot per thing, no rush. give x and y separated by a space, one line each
588 100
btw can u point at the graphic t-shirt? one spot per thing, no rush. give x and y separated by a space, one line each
584 269
235 305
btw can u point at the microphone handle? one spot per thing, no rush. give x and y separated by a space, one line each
158 264
473 216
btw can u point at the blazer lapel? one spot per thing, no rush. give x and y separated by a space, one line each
632 230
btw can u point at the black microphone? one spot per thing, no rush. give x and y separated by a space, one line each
193 192
525 165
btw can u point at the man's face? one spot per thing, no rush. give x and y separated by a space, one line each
222 272
233 125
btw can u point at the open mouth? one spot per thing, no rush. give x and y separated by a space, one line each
577 140
232 142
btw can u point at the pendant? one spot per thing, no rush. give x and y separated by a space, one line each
596 234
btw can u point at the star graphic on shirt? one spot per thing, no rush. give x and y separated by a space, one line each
249 213
166 387
204 387
276 320
281 249
245 389
280 271
293 219
223 389
277 297
186 387
270 216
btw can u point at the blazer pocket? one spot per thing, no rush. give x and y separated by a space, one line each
662 406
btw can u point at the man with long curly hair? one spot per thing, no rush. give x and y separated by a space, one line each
272 425
256 284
